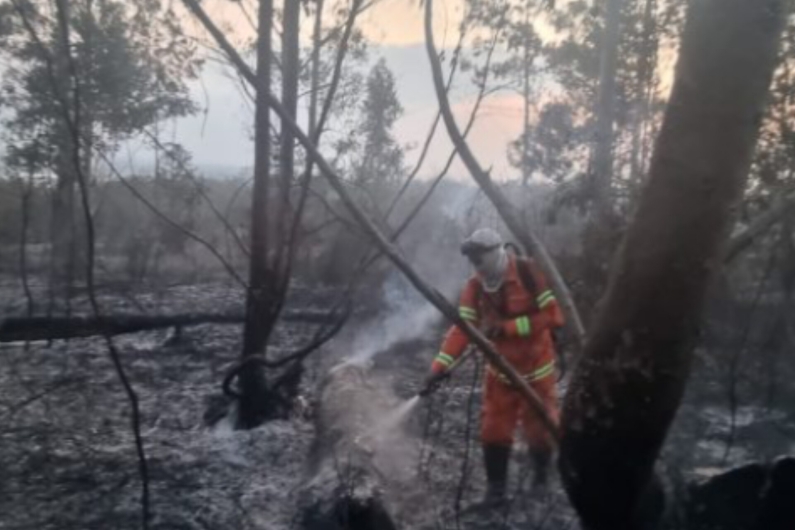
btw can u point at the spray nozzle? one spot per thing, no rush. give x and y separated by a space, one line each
432 383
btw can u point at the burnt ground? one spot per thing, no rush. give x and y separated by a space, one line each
67 456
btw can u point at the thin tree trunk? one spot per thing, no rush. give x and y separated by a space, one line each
602 233
290 67
63 207
27 195
259 320
73 122
526 103
647 57
629 382
605 110
314 90
319 122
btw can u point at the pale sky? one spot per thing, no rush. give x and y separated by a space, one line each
387 22
221 137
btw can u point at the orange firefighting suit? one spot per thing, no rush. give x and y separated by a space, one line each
525 320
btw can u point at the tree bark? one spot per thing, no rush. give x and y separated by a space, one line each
629 382
259 297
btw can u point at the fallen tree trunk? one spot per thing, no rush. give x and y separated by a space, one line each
345 484
755 496
13 329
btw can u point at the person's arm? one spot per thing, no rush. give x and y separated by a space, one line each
549 315
456 341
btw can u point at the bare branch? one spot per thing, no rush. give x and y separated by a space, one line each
507 211
470 123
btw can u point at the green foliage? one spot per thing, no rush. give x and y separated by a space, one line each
131 61
551 144
552 59
381 158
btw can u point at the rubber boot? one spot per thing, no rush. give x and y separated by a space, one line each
541 459
495 458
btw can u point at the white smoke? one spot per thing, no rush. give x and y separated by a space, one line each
407 316
431 245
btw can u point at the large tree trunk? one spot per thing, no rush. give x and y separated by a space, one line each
259 299
630 381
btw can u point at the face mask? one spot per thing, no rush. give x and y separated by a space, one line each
491 267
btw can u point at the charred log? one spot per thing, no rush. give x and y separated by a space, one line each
345 486
752 497
13 329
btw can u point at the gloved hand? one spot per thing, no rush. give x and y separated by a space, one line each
432 382
493 331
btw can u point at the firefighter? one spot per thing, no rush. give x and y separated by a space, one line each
508 299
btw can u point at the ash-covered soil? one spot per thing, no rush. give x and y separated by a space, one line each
67 454
68 459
